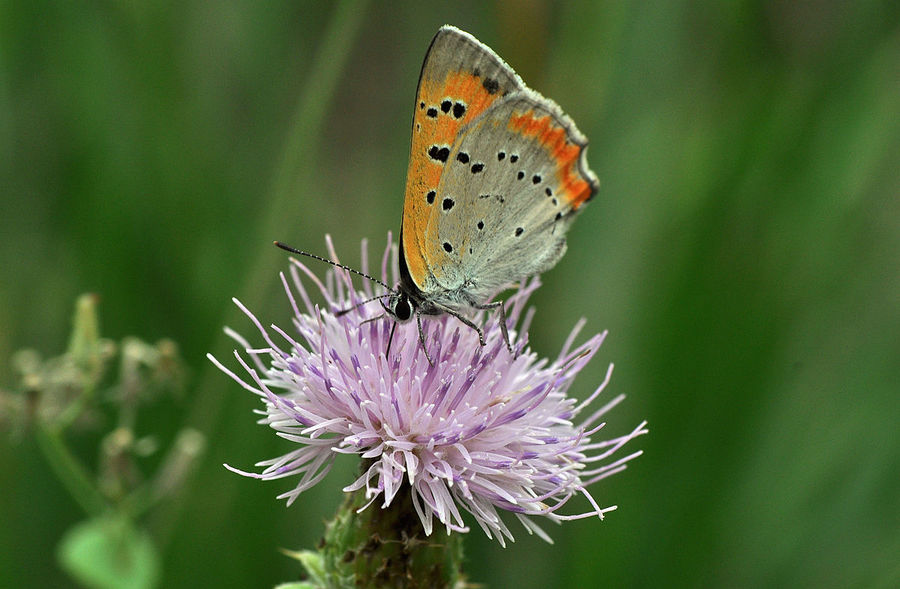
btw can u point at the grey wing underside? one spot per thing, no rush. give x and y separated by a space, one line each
455 50
510 216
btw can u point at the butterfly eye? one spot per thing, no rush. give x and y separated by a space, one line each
402 310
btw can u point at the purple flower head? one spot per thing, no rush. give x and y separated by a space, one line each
481 430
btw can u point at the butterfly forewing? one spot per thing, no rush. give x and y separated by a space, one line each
461 78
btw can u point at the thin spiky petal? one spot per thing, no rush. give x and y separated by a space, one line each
478 431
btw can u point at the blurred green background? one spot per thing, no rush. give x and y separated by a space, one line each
744 252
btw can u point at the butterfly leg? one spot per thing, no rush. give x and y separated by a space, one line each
422 337
370 319
468 322
387 352
503 328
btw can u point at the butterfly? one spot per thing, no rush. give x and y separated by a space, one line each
497 173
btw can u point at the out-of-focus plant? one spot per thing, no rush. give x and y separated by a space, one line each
97 387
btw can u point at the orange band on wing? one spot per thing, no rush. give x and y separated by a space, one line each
554 138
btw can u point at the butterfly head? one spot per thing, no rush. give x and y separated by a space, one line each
399 306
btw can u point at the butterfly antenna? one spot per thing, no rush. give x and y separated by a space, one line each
333 263
360 304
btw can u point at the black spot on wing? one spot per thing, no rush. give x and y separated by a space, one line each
491 85
447 247
430 197
439 153
462 157
447 204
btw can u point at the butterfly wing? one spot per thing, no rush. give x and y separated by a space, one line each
514 181
460 79
497 173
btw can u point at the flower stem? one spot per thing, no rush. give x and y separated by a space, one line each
388 547
69 471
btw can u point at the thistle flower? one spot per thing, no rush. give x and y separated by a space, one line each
480 430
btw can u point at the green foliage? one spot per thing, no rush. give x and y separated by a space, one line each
65 398
109 553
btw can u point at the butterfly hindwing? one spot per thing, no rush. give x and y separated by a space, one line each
515 178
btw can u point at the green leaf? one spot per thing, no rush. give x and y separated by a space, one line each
315 568
109 552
